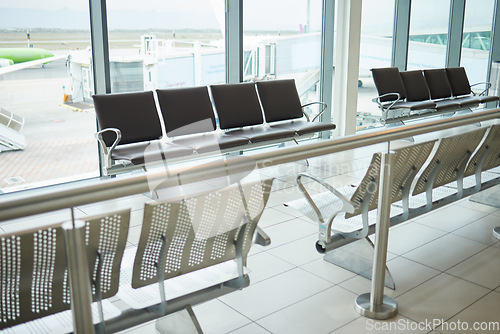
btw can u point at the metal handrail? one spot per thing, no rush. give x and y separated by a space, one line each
48 199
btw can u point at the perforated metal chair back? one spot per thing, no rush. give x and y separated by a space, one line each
490 148
198 231
34 272
449 160
407 162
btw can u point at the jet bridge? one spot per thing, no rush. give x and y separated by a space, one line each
11 137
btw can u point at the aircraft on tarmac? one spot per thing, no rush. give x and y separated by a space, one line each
14 59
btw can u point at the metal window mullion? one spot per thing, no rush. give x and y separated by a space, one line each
100 47
494 55
100 57
401 34
326 69
234 40
455 33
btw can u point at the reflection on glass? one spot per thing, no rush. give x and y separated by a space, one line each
428 34
282 46
476 39
377 23
46 136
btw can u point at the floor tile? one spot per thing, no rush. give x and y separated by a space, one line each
405 273
320 313
328 271
135 202
467 203
451 217
40 220
275 293
398 324
272 216
142 329
216 317
252 328
281 196
407 237
483 268
480 230
298 252
484 312
445 252
439 298
263 266
289 231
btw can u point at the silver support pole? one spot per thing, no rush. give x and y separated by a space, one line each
79 279
496 232
376 305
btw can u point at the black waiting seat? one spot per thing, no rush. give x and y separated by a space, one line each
130 123
418 90
240 115
461 87
440 88
283 109
190 120
392 92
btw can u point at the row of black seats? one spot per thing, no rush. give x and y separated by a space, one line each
443 90
130 122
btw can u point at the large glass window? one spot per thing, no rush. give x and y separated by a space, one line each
175 43
428 34
287 45
476 39
46 136
377 22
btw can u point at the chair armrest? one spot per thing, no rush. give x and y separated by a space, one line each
323 105
109 150
381 106
488 86
325 227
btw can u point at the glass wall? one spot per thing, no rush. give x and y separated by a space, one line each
377 23
428 34
281 46
165 44
46 136
476 39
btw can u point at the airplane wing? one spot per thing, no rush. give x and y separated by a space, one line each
20 66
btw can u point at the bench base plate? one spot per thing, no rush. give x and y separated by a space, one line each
388 309
358 258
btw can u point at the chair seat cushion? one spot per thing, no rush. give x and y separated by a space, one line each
486 99
302 127
447 104
211 142
467 101
417 105
140 153
258 134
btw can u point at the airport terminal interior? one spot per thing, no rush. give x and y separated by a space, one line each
374 209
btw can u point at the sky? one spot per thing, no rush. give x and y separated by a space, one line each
258 14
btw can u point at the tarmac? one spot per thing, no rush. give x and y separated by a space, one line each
60 136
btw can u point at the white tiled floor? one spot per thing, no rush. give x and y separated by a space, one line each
445 265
